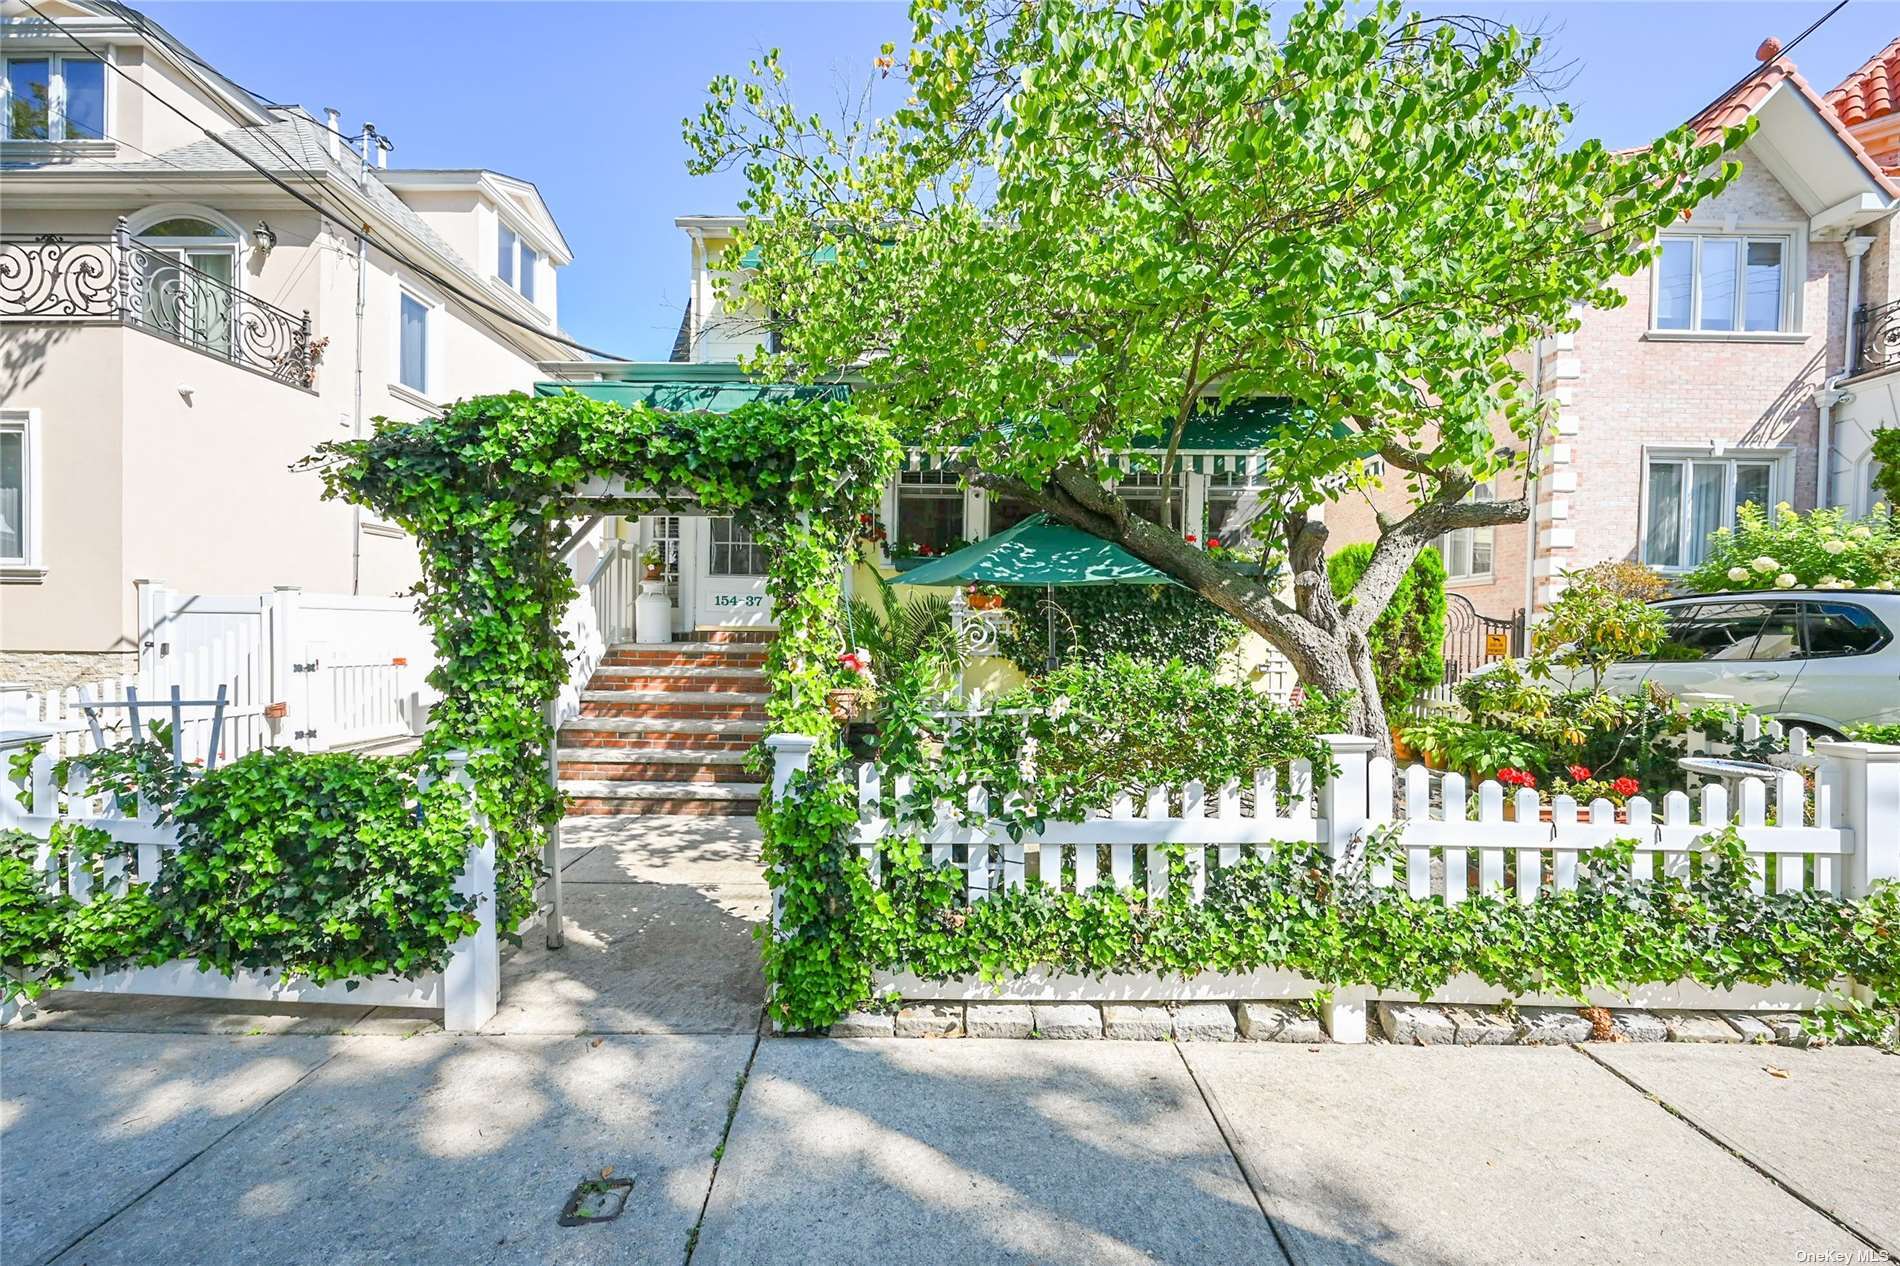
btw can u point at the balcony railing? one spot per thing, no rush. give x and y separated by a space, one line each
1877 330
73 277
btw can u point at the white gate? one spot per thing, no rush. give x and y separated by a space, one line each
199 642
360 663
313 671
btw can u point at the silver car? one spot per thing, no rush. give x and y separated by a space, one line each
1826 660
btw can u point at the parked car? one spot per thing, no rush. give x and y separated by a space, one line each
1823 660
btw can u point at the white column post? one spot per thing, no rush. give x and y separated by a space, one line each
1343 801
1867 782
557 914
791 754
471 983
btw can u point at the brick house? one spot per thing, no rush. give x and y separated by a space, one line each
1720 381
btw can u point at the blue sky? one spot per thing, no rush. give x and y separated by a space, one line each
586 100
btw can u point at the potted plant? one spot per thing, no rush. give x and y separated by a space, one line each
985 598
654 560
852 685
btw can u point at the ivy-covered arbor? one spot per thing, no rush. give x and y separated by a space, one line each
491 490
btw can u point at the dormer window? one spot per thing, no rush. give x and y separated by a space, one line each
55 99
515 262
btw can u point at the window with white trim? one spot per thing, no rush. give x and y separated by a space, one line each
1468 551
55 98
412 343
1722 283
1688 497
929 510
515 262
19 491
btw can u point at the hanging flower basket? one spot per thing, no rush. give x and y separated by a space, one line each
980 601
842 704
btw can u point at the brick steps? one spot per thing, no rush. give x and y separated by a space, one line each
666 728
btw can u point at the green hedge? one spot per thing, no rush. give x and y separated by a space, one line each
331 867
1096 622
1408 638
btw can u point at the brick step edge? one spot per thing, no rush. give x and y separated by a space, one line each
646 775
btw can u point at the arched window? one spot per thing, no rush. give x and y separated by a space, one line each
186 262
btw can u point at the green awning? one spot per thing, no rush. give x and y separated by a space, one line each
1037 553
1211 439
688 392
823 255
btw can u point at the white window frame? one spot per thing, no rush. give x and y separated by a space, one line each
431 346
56 120
29 566
1778 460
1793 242
1484 491
523 260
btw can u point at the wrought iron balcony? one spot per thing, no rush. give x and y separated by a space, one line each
74 277
1877 331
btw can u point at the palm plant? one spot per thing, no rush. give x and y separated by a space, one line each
899 631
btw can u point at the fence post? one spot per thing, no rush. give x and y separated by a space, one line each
471 983
1343 803
1867 781
791 754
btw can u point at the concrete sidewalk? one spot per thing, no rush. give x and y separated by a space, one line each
139 1132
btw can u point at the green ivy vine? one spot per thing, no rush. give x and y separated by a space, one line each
489 492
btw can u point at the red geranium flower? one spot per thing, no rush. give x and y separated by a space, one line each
1579 773
1626 786
1191 538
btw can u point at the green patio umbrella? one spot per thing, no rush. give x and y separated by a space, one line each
1040 554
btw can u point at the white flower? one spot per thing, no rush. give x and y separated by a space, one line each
1834 547
1845 584
1059 707
1827 582
1765 565
1785 580
1860 532
1738 573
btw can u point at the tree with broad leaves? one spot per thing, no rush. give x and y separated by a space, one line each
1090 221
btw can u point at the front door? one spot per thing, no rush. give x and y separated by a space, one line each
731 584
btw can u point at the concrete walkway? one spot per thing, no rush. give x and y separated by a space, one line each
139 1132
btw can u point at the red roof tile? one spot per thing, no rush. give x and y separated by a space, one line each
1869 92
1734 109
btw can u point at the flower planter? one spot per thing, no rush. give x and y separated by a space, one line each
842 704
1401 750
986 601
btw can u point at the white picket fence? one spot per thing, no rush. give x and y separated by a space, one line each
466 992
1850 840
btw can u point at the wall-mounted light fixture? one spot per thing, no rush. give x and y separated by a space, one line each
264 237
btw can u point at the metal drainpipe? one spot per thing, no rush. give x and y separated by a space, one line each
362 303
1830 394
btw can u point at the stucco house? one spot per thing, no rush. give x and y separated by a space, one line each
196 289
1747 364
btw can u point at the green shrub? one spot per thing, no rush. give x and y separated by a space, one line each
1408 638
1128 723
319 864
331 867
1096 622
1822 549
1875 734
